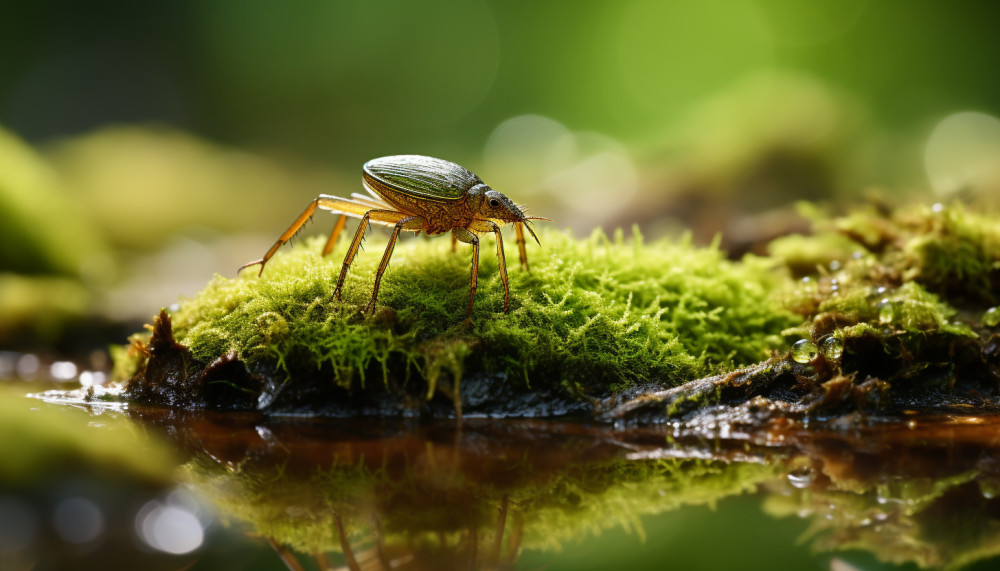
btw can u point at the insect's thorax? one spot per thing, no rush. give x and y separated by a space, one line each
440 215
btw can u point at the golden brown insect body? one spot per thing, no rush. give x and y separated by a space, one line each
414 193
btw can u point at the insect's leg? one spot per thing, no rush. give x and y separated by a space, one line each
341 220
286 236
503 265
501 524
468 237
521 250
351 252
454 243
409 223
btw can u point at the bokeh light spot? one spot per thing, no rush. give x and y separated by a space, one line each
78 520
167 528
963 152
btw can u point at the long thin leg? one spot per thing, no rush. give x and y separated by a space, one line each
344 206
286 236
498 536
468 237
521 250
382 216
388 254
286 555
352 251
345 546
503 266
380 544
488 226
341 220
514 547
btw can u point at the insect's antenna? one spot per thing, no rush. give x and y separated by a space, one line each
530 231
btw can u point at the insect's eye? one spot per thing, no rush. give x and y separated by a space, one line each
494 203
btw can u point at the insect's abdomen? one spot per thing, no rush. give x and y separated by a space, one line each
420 177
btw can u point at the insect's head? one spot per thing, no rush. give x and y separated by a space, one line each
495 205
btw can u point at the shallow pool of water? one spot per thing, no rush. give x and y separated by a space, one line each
114 486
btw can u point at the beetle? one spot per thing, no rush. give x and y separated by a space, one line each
415 193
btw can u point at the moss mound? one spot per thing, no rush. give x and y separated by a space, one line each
592 317
876 310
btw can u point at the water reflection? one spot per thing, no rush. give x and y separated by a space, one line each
428 496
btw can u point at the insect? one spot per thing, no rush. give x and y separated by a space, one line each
415 193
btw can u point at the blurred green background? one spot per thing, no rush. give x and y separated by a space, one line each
339 82
146 145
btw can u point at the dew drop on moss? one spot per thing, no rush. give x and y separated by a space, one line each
801 478
804 351
991 318
832 348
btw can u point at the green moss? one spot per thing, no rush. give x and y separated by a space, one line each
951 250
592 316
905 305
955 252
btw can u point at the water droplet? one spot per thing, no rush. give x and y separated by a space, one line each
991 318
834 265
832 348
802 477
804 351
937 207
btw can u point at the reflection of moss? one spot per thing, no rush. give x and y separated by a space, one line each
592 315
924 492
936 523
598 497
420 507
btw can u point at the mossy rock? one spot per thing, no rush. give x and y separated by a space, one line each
593 317
890 318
